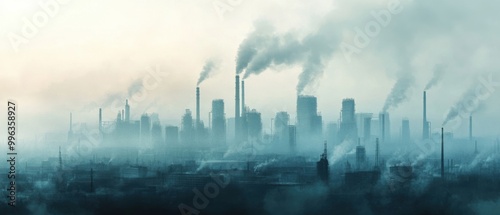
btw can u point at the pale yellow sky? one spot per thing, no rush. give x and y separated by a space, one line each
89 50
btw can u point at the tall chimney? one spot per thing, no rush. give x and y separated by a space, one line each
237 108
442 152
127 111
100 119
243 97
425 129
470 127
197 109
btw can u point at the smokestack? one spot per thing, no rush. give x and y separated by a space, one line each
197 109
425 129
100 119
470 127
237 97
243 97
442 152
237 108
127 111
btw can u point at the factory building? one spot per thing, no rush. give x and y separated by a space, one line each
218 122
309 122
348 130
145 129
405 131
281 123
253 124
187 128
171 135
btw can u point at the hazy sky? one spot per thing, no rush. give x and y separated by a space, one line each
88 53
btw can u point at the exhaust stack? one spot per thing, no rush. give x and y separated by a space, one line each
127 111
237 108
425 129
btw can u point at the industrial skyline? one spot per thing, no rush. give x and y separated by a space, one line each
250 107
459 65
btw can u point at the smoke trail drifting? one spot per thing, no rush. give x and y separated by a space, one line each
207 71
399 92
250 46
436 77
468 103
265 48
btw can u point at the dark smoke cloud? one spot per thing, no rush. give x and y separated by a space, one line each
399 92
265 48
436 77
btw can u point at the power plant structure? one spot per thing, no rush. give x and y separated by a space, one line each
309 121
348 129
148 156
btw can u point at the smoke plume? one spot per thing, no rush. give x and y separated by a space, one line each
436 77
264 48
208 70
399 92
468 103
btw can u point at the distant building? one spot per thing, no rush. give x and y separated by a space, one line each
171 135
281 122
348 130
218 122
360 157
156 134
385 127
405 131
125 133
145 129
309 122
254 124
322 167
187 128
363 122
